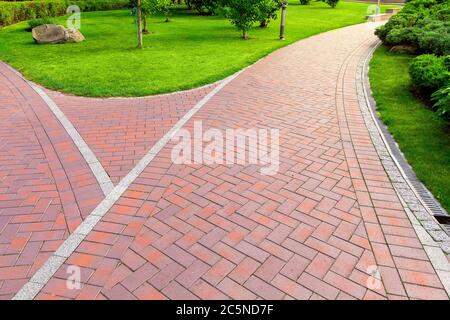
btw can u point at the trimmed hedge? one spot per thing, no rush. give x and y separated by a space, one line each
13 12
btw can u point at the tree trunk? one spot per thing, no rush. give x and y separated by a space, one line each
283 21
263 24
145 28
244 34
139 23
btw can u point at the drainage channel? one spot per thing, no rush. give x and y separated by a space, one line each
444 221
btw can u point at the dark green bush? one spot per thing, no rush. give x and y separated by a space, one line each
429 73
395 22
331 3
204 6
433 36
39 21
305 2
405 35
12 12
421 23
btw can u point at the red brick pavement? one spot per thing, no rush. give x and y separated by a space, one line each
121 131
45 184
47 188
312 231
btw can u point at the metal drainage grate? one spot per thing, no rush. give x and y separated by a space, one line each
444 220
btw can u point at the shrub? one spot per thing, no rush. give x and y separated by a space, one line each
244 13
40 21
421 23
433 36
406 35
268 11
204 6
331 3
13 12
305 2
395 22
429 73
442 102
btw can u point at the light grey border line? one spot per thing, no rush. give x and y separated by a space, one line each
96 167
44 274
410 199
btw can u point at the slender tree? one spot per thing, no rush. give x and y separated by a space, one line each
139 23
154 7
145 24
283 4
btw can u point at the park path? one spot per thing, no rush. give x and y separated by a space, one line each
325 226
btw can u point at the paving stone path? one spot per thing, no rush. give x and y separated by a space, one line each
326 226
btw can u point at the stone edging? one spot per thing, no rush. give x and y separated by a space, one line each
417 201
97 169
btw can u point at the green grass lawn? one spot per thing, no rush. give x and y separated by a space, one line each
189 51
422 136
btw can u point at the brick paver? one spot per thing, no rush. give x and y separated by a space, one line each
46 187
314 230
120 131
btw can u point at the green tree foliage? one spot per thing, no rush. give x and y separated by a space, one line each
150 7
331 3
203 6
244 13
269 10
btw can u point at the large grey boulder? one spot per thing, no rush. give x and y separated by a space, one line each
49 33
52 33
